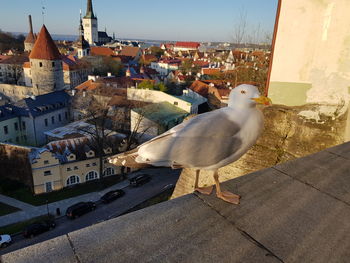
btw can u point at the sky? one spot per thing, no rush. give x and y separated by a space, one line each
183 20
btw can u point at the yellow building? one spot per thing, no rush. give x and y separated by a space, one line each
66 163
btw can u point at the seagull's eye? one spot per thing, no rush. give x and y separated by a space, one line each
243 92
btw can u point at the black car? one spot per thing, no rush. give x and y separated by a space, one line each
38 228
139 180
79 209
112 195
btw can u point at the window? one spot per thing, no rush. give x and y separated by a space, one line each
53 64
69 169
87 165
25 138
93 164
75 167
59 117
176 103
16 126
6 129
23 125
66 115
91 176
109 171
40 64
46 122
48 186
74 179
53 119
46 161
47 173
17 139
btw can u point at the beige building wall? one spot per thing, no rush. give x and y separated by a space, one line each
311 61
47 169
17 92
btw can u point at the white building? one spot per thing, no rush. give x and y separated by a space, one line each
164 67
188 102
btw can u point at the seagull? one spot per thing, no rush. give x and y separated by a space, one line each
207 141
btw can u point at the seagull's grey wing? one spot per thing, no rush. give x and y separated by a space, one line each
201 141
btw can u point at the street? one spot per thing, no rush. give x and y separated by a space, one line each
162 178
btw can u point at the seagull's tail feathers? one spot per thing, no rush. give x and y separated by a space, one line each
128 159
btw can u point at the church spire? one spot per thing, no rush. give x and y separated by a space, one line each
89 10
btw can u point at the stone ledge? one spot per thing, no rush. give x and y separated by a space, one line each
294 212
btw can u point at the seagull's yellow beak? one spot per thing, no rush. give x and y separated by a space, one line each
263 100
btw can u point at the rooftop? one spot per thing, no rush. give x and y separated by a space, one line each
45 47
297 211
162 113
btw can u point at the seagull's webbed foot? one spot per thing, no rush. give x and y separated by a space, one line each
228 197
225 195
204 190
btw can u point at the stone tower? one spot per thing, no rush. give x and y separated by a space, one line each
46 64
83 47
30 39
90 24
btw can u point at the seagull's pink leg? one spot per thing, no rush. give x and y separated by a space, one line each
202 190
225 195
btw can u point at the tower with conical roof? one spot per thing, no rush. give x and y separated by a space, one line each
30 39
83 47
90 24
46 64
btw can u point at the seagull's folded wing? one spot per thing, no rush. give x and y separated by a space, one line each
201 141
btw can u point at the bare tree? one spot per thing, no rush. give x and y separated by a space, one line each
95 112
239 30
95 107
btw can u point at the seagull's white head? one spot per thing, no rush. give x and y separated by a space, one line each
246 96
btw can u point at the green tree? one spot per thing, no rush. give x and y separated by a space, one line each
148 84
102 65
156 51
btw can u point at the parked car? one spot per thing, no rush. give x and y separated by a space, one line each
38 228
5 240
79 209
140 180
112 195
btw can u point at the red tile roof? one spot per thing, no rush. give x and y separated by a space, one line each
187 44
26 64
130 51
44 47
201 63
101 51
210 71
200 87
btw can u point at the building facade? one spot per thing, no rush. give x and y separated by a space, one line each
25 121
66 163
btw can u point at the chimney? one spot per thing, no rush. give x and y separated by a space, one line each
30 24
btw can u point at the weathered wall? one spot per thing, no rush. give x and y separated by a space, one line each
286 136
48 77
311 61
16 92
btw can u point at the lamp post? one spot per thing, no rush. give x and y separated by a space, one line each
47 208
